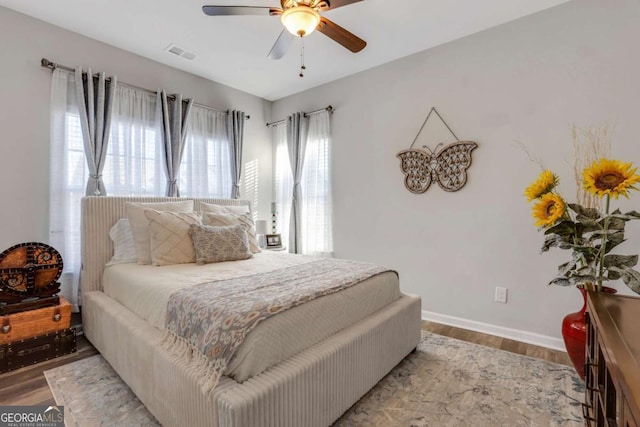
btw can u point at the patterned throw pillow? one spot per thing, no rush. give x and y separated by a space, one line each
217 244
140 224
170 240
234 219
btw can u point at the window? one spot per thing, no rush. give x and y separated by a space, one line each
206 163
316 205
76 174
135 159
134 162
316 230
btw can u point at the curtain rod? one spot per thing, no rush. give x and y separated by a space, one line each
330 109
45 63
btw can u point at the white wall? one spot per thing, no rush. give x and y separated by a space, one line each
24 114
526 81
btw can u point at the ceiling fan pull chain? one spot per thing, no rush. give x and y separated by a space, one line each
302 66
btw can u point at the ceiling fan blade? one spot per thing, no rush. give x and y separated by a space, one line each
340 35
281 46
240 10
333 4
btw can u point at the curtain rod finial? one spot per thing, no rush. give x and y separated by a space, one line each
46 63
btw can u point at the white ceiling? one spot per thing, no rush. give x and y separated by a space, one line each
233 50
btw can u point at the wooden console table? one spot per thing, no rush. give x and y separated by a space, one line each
612 371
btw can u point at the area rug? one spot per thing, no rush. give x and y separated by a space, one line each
446 382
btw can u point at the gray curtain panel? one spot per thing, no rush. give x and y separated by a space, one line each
235 130
95 102
297 127
175 113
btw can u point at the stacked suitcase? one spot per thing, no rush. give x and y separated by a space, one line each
34 336
34 321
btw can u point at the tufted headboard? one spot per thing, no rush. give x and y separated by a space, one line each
98 216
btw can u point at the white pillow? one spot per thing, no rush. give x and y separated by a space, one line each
227 219
124 250
140 223
220 209
171 242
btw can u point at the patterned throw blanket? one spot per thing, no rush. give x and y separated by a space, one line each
205 324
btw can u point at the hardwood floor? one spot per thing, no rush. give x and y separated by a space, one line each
28 386
506 344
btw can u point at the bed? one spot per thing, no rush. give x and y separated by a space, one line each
312 386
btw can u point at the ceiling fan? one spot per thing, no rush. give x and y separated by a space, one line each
300 18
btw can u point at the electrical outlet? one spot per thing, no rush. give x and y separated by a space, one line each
501 294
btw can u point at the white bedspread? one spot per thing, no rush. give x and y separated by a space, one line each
145 290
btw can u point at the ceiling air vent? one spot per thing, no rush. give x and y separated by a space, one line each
178 51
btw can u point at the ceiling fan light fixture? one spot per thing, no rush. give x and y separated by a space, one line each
301 20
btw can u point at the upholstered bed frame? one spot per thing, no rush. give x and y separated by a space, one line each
313 388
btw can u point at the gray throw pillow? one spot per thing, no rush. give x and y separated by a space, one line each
218 244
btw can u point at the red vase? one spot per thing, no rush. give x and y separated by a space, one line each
574 332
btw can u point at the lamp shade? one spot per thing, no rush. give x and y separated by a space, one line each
261 226
300 20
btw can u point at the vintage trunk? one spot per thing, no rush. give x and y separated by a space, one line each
27 324
29 351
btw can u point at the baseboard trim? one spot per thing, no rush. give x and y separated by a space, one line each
500 331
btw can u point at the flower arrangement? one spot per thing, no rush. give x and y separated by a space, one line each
586 231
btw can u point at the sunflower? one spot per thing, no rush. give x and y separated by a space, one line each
610 177
545 183
548 210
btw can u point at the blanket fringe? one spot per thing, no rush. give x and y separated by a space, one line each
198 367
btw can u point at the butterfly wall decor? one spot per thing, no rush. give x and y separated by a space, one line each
447 165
